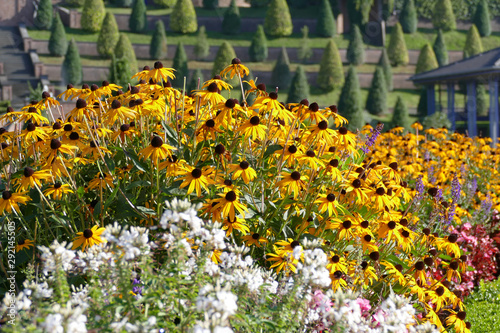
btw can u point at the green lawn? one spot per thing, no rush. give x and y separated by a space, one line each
483 307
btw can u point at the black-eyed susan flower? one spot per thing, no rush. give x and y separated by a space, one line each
47 101
254 239
57 190
336 263
157 74
89 238
210 95
457 320
157 150
101 180
292 182
394 272
253 128
24 244
196 178
322 133
92 150
81 111
328 203
449 243
10 200
310 159
31 177
270 104
229 205
236 224
283 261
243 170
107 88
258 89
221 84
236 68
117 112
33 115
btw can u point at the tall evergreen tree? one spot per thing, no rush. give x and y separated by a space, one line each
164 3
331 71
210 4
258 48
349 104
43 18
356 48
426 60
278 21
183 17
305 51
71 70
92 15
158 46
422 104
397 51
325 23
280 77
376 103
443 16
180 65
138 21
231 24
119 71
58 44
299 88
201 48
408 17
440 50
108 36
124 49
482 18
387 9
195 78
224 56
481 100
473 44
400 117
386 68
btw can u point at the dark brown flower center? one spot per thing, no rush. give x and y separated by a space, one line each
335 259
235 61
220 149
314 107
255 120
244 165
116 104
156 141
429 261
255 236
74 136
124 127
273 95
261 86
231 196
304 102
310 153
365 224
323 125
230 103
158 65
31 127
28 172
21 242
419 265
292 149
295 175
212 87
452 238
210 123
380 191
391 225
80 103
228 182
375 256
55 144
394 166
294 244
347 224
440 291
57 185
356 183
87 233
6 195
367 238
330 197
405 233
454 265
343 130
334 163
196 173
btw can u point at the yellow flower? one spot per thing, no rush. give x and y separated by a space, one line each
101 180
328 203
230 205
244 170
57 191
119 113
236 224
221 84
157 74
283 260
196 178
254 239
236 68
157 150
24 244
253 128
31 177
89 238
292 182
10 200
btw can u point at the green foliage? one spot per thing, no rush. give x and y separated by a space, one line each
400 117
443 16
71 70
396 50
386 68
305 51
124 49
482 18
356 48
224 56
58 44
108 36
483 307
158 47
331 71
440 50
258 3
299 88
231 23
43 18
74 3
280 77
325 23
210 4
138 21
164 3
376 103
183 17
195 78
92 15
387 8
35 93
278 22
481 100
359 11
408 17
437 120
119 72
426 60
180 65
422 104
349 104
298 3
201 48
258 48
463 9
124 3
473 44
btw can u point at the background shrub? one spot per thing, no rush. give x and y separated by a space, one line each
71 70
58 44
331 71
108 36
280 77
231 24
43 18
92 15
138 21
299 88
183 17
258 48
158 47
278 22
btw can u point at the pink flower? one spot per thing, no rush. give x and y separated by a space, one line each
364 304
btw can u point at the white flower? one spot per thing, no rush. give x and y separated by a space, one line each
58 255
53 323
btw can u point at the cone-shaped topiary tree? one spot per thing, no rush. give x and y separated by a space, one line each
43 18
138 21
224 56
482 18
210 4
400 117
281 75
181 66
473 44
201 48
196 78
396 50
92 15
58 44
387 9
440 50
386 68
299 88
349 104
481 100
305 51
443 16
278 21
231 24
376 103
183 17
258 48
331 71
356 48
71 70
158 46
422 104
325 23
426 60
124 49
119 71
408 17
108 36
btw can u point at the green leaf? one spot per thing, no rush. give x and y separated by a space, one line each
135 160
271 150
80 192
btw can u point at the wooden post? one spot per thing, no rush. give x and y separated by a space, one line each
494 117
431 100
451 105
471 109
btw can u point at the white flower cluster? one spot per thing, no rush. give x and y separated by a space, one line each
137 327
133 242
313 271
180 214
217 304
93 258
68 319
57 255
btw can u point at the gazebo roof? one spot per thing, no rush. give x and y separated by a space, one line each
480 66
